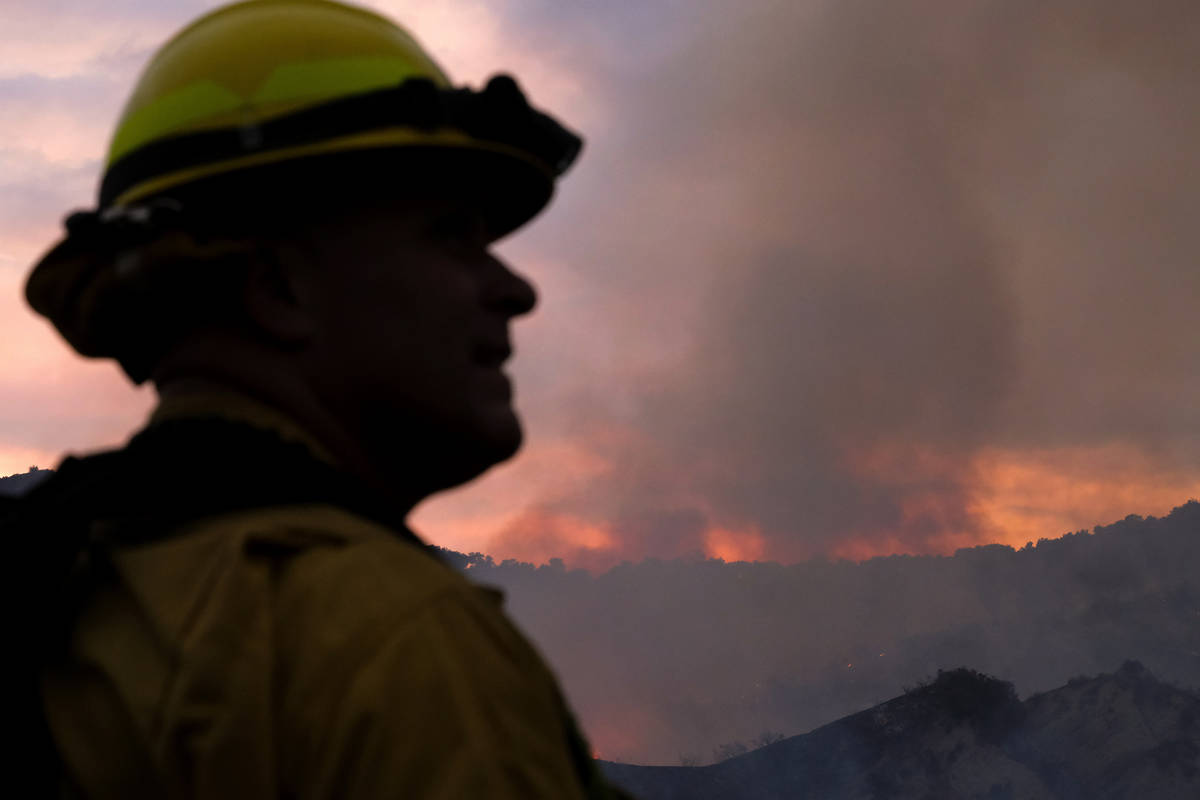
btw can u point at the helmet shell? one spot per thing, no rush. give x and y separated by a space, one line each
246 63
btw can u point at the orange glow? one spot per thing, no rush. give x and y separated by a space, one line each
617 730
15 460
489 514
1022 497
944 501
731 545
537 534
1008 496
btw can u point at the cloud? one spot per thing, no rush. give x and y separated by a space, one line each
35 195
67 38
62 121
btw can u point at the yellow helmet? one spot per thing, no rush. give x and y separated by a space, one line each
283 84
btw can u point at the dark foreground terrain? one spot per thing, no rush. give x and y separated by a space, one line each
1124 736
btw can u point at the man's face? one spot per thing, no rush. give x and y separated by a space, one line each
413 317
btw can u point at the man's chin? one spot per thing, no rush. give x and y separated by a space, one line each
501 435
474 449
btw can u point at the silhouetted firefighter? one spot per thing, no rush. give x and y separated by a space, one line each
292 243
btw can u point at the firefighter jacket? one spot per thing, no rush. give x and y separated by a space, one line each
253 624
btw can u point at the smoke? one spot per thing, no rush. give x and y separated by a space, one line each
839 256
823 266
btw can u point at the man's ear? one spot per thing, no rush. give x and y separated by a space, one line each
279 295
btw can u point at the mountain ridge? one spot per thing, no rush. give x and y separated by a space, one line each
966 735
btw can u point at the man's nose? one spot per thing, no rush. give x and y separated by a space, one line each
509 291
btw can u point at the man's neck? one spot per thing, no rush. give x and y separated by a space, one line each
320 430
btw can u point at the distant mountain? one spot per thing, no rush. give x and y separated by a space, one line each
15 485
1124 736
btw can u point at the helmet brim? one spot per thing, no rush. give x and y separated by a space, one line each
506 185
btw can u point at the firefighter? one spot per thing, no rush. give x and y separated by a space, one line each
292 244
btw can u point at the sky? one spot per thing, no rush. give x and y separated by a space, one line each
832 277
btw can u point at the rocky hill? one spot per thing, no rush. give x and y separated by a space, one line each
1123 736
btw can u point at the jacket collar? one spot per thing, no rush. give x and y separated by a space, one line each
202 454
236 406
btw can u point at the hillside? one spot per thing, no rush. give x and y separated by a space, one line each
1124 736
667 660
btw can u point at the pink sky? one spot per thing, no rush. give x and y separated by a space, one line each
830 277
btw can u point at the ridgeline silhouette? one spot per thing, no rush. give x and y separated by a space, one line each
701 652
1124 736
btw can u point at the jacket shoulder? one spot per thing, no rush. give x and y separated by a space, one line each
285 550
403 678
346 602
